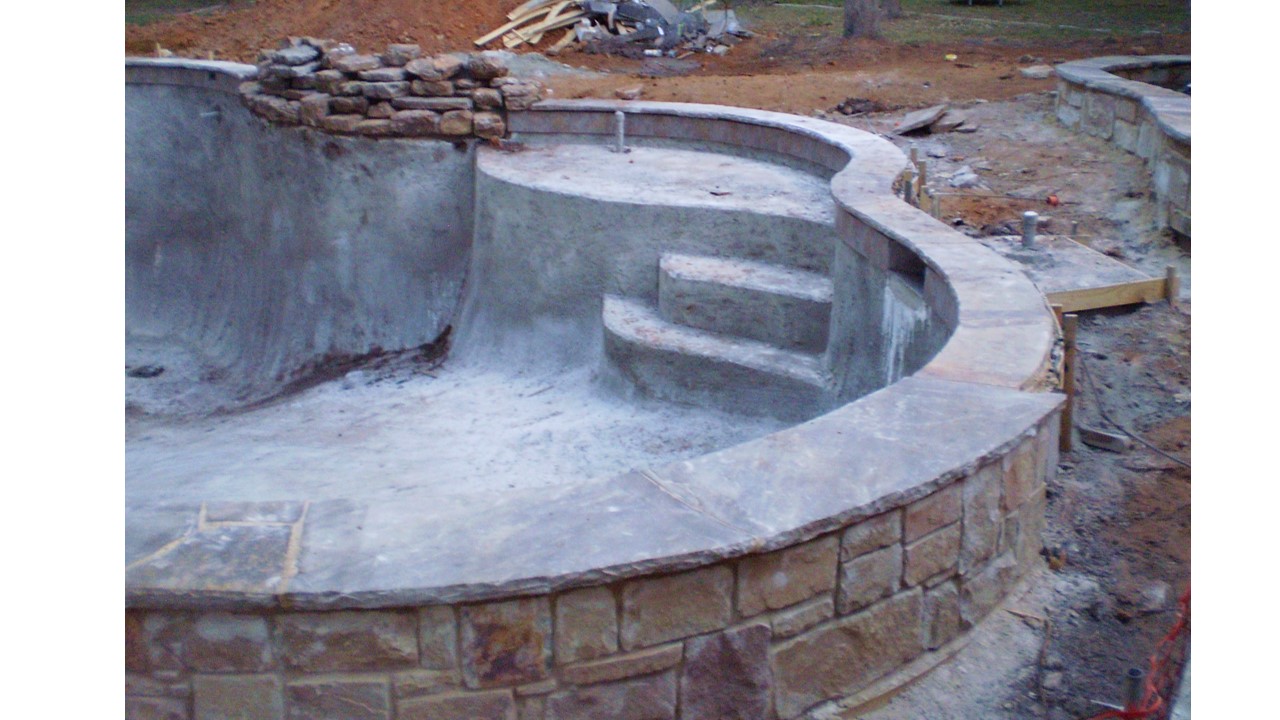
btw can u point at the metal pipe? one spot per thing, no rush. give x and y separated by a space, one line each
620 132
1029 219
1133 689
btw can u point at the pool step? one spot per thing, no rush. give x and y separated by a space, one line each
688 365
781 306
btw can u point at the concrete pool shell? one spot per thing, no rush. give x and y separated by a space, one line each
808 560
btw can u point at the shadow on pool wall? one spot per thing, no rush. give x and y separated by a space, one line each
829 562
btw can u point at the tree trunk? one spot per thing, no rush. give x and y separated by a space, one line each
892 8
861 18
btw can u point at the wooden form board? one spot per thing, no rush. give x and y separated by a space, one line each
1142 291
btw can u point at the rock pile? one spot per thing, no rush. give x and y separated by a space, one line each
401 93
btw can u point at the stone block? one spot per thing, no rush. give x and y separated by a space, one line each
586 624
1021 475
357 105
295 55
520 97
1125 135
1075 96
1127 110
210 642
786 577
841 657
726 675
383 75
941 622
385 90
314 108
489 705
1148 138
417 683
981 592
439 67
506 643
398 54
926 515
1069 115
533 708
143 685
155 708
486 66
1099 114
489 125
1031 529
437 104
936 554
380 111
416 122
275 109
982 516
465 85
871 534
349 88
456 122
352 64
347 640
341 123
234 697
655 610
799 618
306 82
375 128
618 667
135 643
431 88
648 698
486 99
868 578
339 699
327 81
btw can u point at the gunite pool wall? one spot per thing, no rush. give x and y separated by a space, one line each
830 560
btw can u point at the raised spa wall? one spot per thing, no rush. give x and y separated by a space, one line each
1135 102
833 561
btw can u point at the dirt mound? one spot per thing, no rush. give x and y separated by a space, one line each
239 30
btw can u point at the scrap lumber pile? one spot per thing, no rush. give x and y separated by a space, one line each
655 26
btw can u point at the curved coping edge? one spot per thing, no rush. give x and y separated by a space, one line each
1170 109
978 399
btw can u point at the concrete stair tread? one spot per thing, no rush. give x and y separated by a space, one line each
748 274
636 322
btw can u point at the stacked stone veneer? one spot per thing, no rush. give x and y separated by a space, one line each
1126 100
767 635
400 93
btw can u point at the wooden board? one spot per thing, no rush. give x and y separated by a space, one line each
1078 277
1142 291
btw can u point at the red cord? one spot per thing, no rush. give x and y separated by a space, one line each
1160 666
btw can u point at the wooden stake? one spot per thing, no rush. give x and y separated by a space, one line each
1069 326
921 176
1171 284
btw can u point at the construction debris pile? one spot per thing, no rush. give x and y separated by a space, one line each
399 93
622 27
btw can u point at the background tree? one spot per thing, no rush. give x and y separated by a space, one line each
862 18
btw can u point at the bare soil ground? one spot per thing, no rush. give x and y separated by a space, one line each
1118 523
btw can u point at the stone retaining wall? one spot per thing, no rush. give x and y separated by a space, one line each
1126 100
831 559
768 635
400 93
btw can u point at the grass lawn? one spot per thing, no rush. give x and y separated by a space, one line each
947 20
141 12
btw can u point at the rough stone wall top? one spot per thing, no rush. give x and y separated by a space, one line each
400 93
